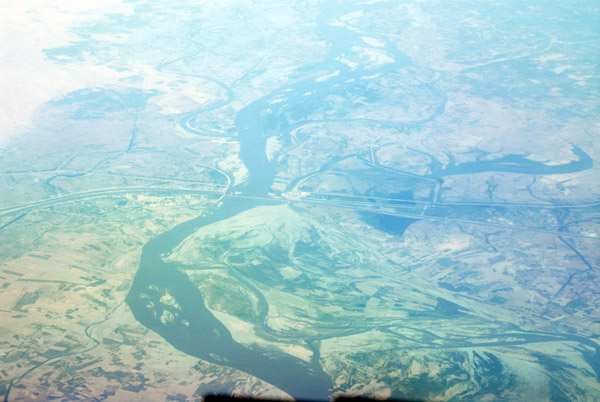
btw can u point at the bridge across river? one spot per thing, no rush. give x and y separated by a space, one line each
204 336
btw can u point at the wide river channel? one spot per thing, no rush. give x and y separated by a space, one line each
204 336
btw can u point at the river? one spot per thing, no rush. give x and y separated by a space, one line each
203 335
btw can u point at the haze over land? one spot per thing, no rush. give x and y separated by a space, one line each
27 29
300 199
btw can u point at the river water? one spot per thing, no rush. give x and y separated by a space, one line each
203 335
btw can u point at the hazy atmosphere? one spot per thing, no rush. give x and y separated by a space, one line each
300 200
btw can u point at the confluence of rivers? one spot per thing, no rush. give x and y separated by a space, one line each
206 337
